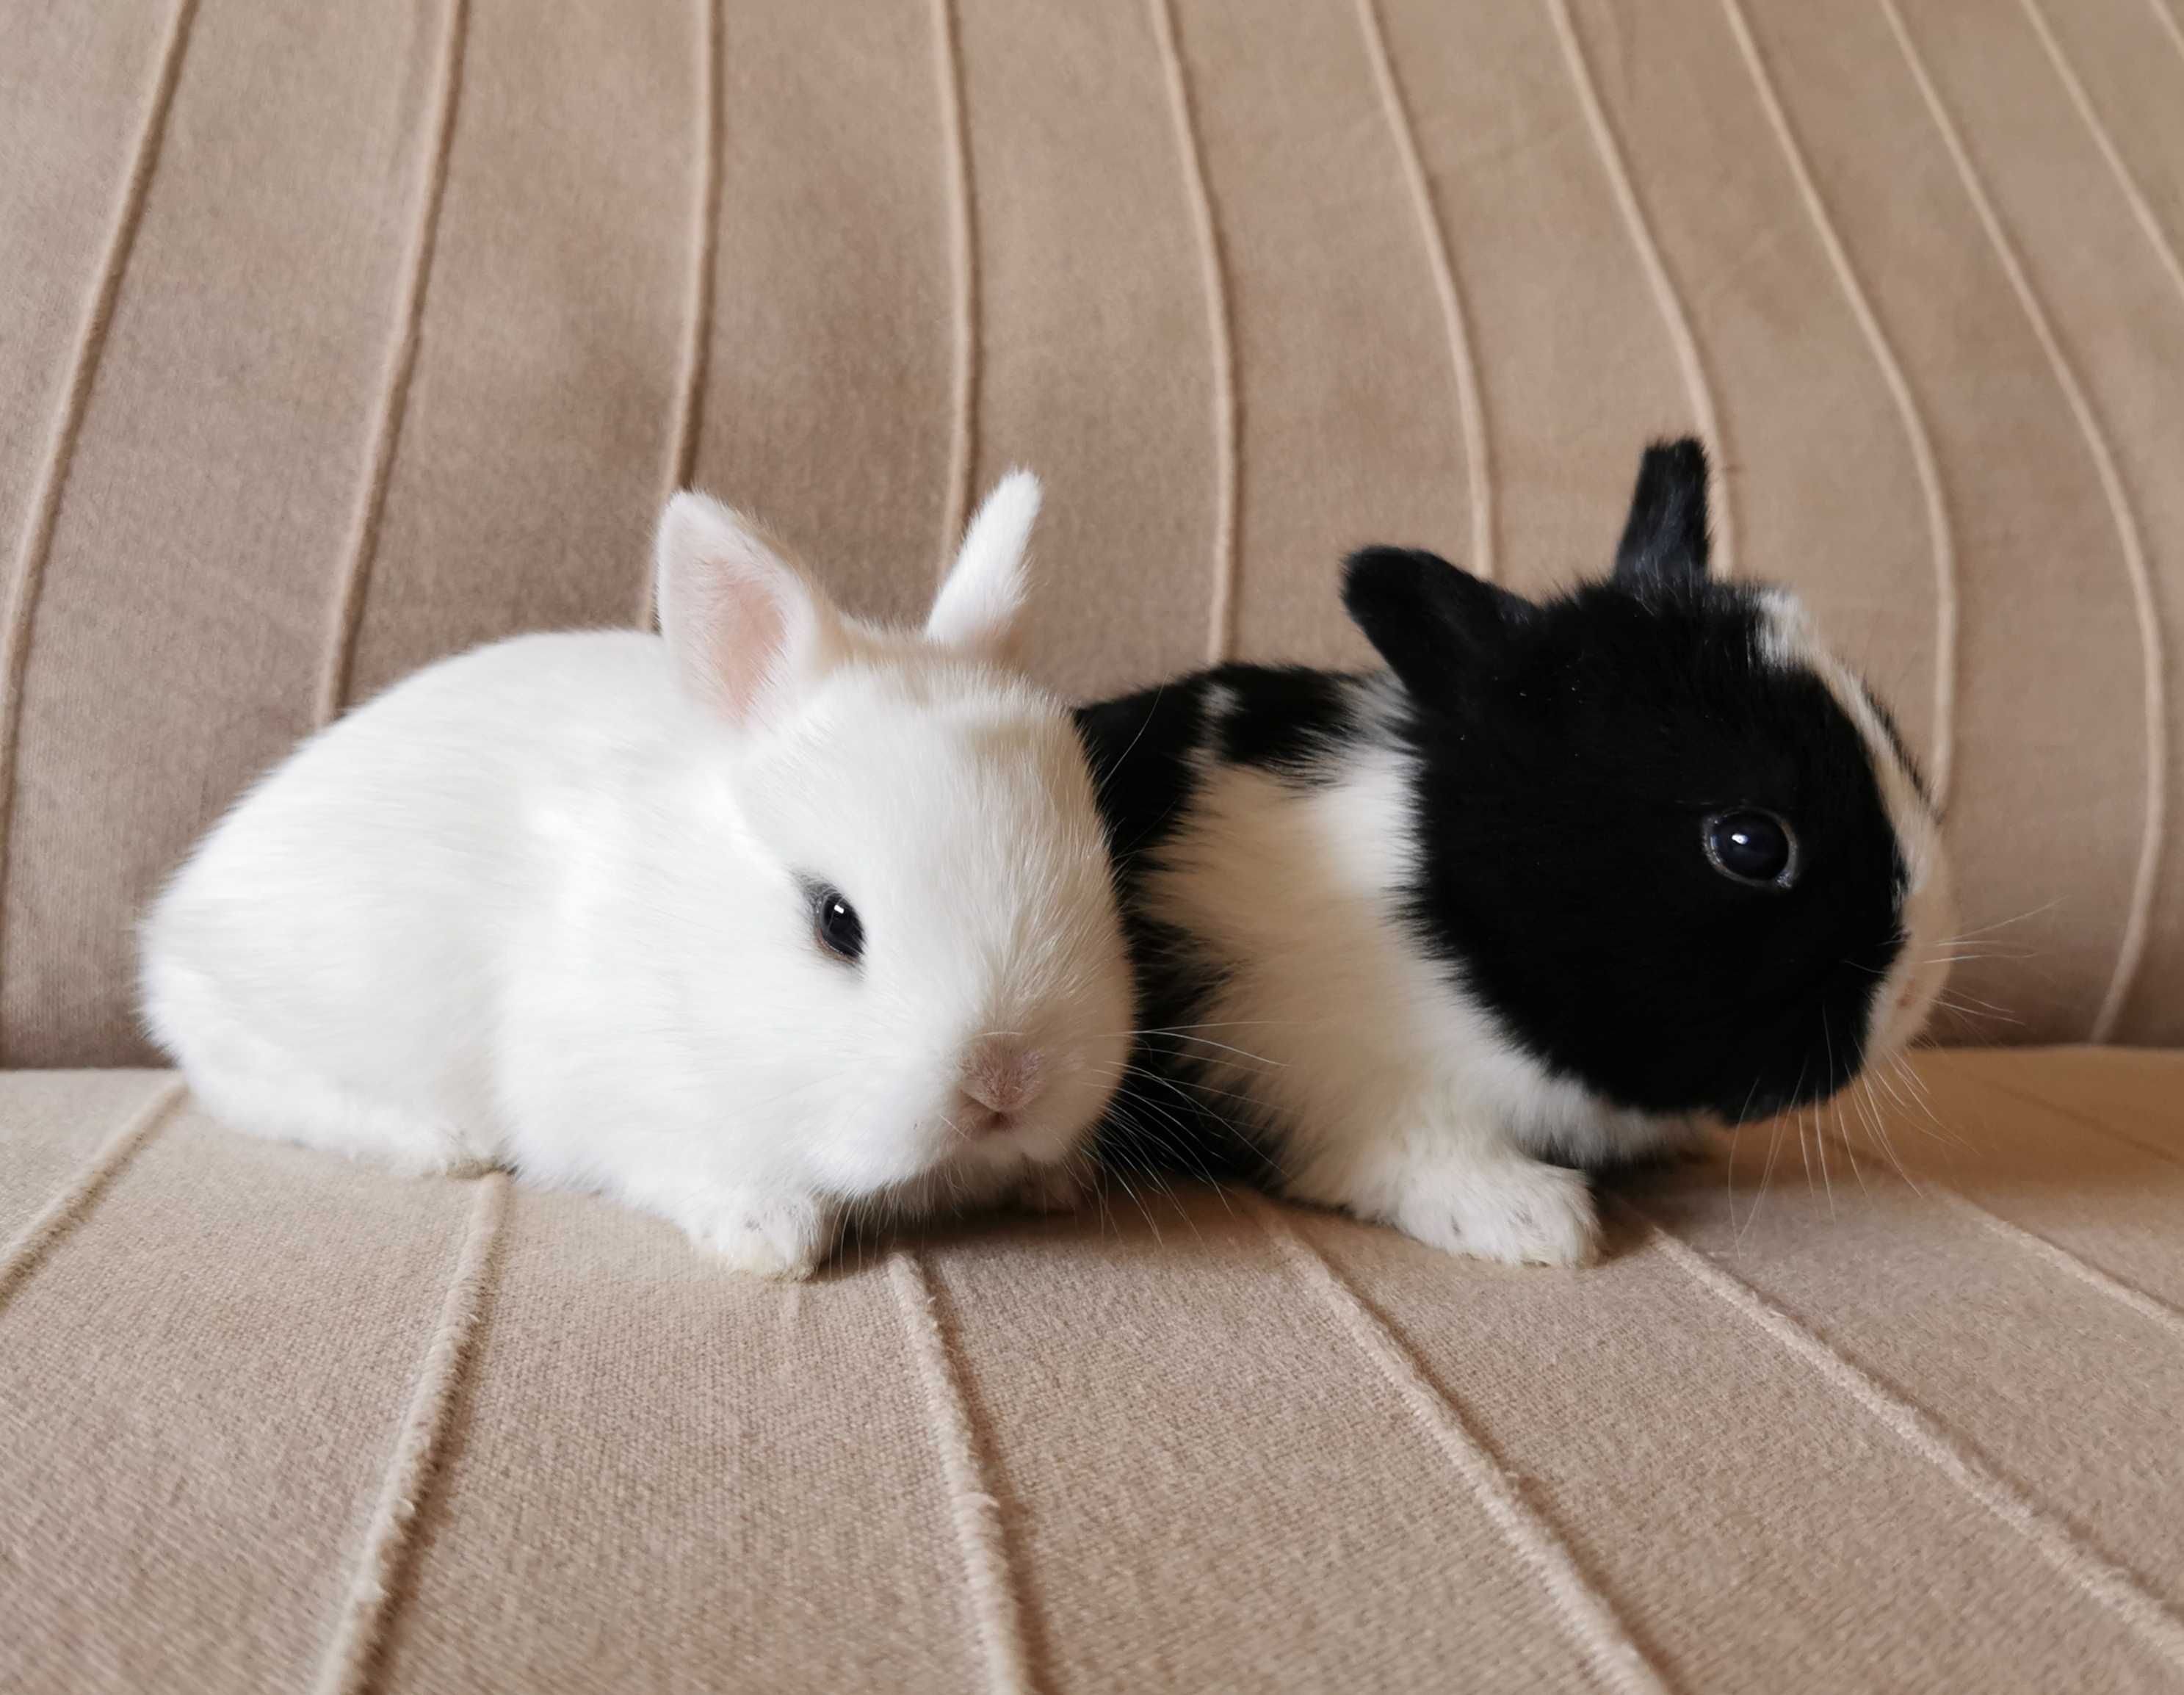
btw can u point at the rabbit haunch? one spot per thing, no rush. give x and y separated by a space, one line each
772 915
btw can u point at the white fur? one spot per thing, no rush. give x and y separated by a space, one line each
978 605
540 905
1395 1095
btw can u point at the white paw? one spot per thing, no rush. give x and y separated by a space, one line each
1509 1208
462 1163
785 1236
1060 1188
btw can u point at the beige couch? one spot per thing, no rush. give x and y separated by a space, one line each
337 337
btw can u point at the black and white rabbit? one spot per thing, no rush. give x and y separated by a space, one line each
1565 876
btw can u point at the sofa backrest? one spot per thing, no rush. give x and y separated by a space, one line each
337 338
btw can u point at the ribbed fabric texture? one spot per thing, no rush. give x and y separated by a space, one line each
1884 1401
337 340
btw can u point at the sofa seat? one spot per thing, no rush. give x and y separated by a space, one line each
270 1420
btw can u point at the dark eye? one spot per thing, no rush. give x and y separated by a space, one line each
835 920
1751 846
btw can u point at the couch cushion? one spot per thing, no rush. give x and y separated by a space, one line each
267 1416
339 337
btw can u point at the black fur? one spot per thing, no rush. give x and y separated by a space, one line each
1566 755
1665 540
1562 785
1144 750
1429 619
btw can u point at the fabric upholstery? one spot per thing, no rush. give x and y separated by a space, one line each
1815 1429
338 338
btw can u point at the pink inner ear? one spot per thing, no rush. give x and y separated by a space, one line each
746 627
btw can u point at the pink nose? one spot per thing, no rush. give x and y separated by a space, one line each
1001 1074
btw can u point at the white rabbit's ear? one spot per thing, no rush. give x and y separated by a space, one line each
748 631
978 605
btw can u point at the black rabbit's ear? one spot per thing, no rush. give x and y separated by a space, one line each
1431 621
1664 539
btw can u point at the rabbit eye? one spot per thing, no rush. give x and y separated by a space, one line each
835 920
1752 847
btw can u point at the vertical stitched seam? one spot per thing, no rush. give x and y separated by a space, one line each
359 1637
963 267
2067 73
996 1610
2054 1541
1996 1085
1213 281
355 581
30 1245
1585 1612
1671 306
696 359
2147 1306
1939 530
1469 405
2131 946
28 577
2170 26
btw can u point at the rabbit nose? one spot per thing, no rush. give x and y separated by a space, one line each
1001 1074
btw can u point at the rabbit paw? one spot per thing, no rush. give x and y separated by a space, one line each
782 1236
1518 1211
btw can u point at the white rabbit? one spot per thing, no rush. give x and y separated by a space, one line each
767 916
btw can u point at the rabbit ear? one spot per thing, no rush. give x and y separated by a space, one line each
978 605
1438 626
1664 539
748 631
